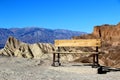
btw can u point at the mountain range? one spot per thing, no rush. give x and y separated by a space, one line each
35 34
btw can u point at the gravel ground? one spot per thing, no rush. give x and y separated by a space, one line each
12 68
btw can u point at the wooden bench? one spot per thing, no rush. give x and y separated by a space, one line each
76 43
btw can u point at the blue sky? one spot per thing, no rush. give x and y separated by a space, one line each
76 15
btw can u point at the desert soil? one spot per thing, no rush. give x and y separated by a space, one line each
14 68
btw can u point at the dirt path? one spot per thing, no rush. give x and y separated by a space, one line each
12 68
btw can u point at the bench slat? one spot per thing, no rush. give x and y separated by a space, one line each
76 52
78 43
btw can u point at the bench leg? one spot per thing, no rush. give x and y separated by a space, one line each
59 59
95 61
56 61
53 64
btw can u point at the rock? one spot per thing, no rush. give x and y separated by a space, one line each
110 36
17 53
109 33
16 48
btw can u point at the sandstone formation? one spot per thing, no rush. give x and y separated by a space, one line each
16 48
108 33
110 36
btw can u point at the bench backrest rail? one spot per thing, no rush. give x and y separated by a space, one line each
78 43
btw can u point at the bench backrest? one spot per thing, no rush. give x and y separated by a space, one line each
78 43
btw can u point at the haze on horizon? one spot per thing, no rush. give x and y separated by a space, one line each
76 15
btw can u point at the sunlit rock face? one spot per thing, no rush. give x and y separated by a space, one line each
16 48
110 36
108 33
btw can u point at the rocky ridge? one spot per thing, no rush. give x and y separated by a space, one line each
16 48
110 36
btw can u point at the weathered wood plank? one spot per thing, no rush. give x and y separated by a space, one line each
75 52
78 42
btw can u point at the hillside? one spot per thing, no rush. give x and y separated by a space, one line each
110 36
34 34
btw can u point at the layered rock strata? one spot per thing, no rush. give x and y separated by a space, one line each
16 48
110 36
